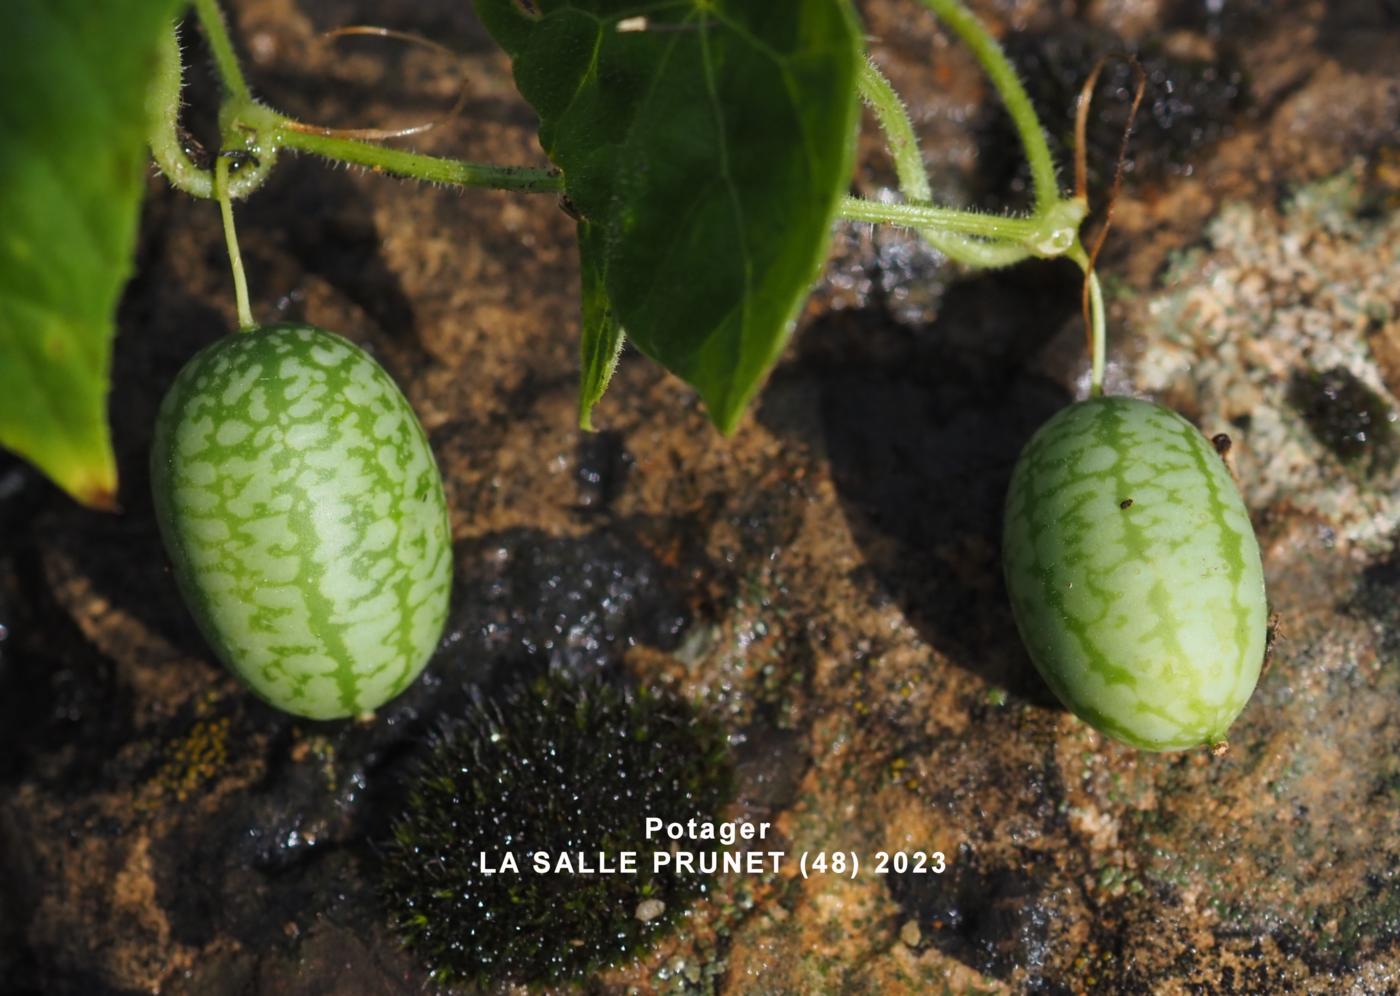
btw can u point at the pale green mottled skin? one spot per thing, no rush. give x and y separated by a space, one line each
304 517
1149 621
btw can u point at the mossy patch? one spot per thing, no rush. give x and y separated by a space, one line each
557 768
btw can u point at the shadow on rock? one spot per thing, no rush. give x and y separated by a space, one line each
923 428
992 919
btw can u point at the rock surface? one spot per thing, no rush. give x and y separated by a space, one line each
825 584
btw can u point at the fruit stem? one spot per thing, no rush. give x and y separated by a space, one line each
235 258
1003 76
1097 336
1094 322
416 166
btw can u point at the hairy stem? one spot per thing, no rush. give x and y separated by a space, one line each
216 31
894 121
167 145
980 254
261 132
994 62
417 166
893 118
235 258
944 220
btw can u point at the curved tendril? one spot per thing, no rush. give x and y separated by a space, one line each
1092 296
1081 144
379 134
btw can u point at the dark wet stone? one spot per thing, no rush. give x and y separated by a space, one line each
1354 422
769 765
62 710
994 919
525 601
1376 599
603 463
1188 104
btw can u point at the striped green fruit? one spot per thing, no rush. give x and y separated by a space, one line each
304 517
1134 574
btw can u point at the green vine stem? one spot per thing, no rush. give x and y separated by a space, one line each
971 237
893 119
1050 234
216 32
167 147
414 165
260 131
991 226
235 258
1008 85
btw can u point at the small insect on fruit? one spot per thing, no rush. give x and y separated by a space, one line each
304 517
1134 574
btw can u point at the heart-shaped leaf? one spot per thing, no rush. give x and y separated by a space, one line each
73 81
707 144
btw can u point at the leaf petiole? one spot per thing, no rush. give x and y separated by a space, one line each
416 166
989 226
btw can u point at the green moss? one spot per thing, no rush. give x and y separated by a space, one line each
559 768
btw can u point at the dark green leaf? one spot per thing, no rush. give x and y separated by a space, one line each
73 80
708 143
602 340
